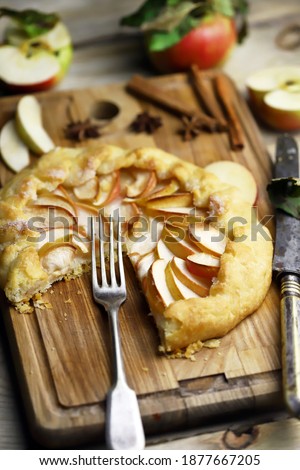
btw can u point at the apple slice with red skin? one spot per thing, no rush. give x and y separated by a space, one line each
178 200
236 175
142 242
157 290
52 235
109 189
54 200
178 290
84 213
203 265
144 182
208 238
166 190
49 217
177 242
88 190
200 286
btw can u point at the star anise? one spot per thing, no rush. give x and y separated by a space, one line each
81 130
144 122
192 127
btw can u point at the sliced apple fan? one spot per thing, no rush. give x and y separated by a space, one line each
187 266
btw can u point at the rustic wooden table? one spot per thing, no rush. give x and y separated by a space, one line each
105 54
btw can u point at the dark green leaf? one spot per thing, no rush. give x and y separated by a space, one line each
160 40
284 194
172 3
32 22
147 12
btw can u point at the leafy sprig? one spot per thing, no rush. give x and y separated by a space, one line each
167 21
284 194
32 22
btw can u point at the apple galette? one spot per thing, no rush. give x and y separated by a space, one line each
202 259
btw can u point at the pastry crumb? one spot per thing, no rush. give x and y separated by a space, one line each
24 307
68 301
78 292
145 369
51 291
212 343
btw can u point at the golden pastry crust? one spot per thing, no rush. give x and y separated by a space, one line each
245 273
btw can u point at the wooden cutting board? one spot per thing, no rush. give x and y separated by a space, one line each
62 354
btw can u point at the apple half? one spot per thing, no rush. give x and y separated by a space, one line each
274 94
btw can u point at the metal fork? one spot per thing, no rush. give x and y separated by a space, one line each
124 428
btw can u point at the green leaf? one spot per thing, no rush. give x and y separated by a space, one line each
284 194
32 22
147 12
170 17
173 2
159 40
223 7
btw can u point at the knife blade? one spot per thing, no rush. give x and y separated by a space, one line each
286 263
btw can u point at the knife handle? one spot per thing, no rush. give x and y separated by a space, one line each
290 337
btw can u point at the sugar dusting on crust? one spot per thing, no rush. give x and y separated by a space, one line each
19 225
216 206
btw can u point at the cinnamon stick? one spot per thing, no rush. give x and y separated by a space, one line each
147 90
206 94
224 92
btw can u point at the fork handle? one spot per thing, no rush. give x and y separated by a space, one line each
124 427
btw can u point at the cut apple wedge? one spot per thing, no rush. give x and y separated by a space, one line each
158 292
88 190
178 200
143 183
144 242
84 214
53 235
203 265
57 257
49 217
177 242
200 286
236 175
167 189
30 127
108 189
208 238
162 251
13 150
143 265
54 200
178 290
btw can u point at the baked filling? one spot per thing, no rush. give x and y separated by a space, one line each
193 242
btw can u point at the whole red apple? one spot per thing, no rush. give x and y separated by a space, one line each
207 46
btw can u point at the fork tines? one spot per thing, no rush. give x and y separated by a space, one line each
103 238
